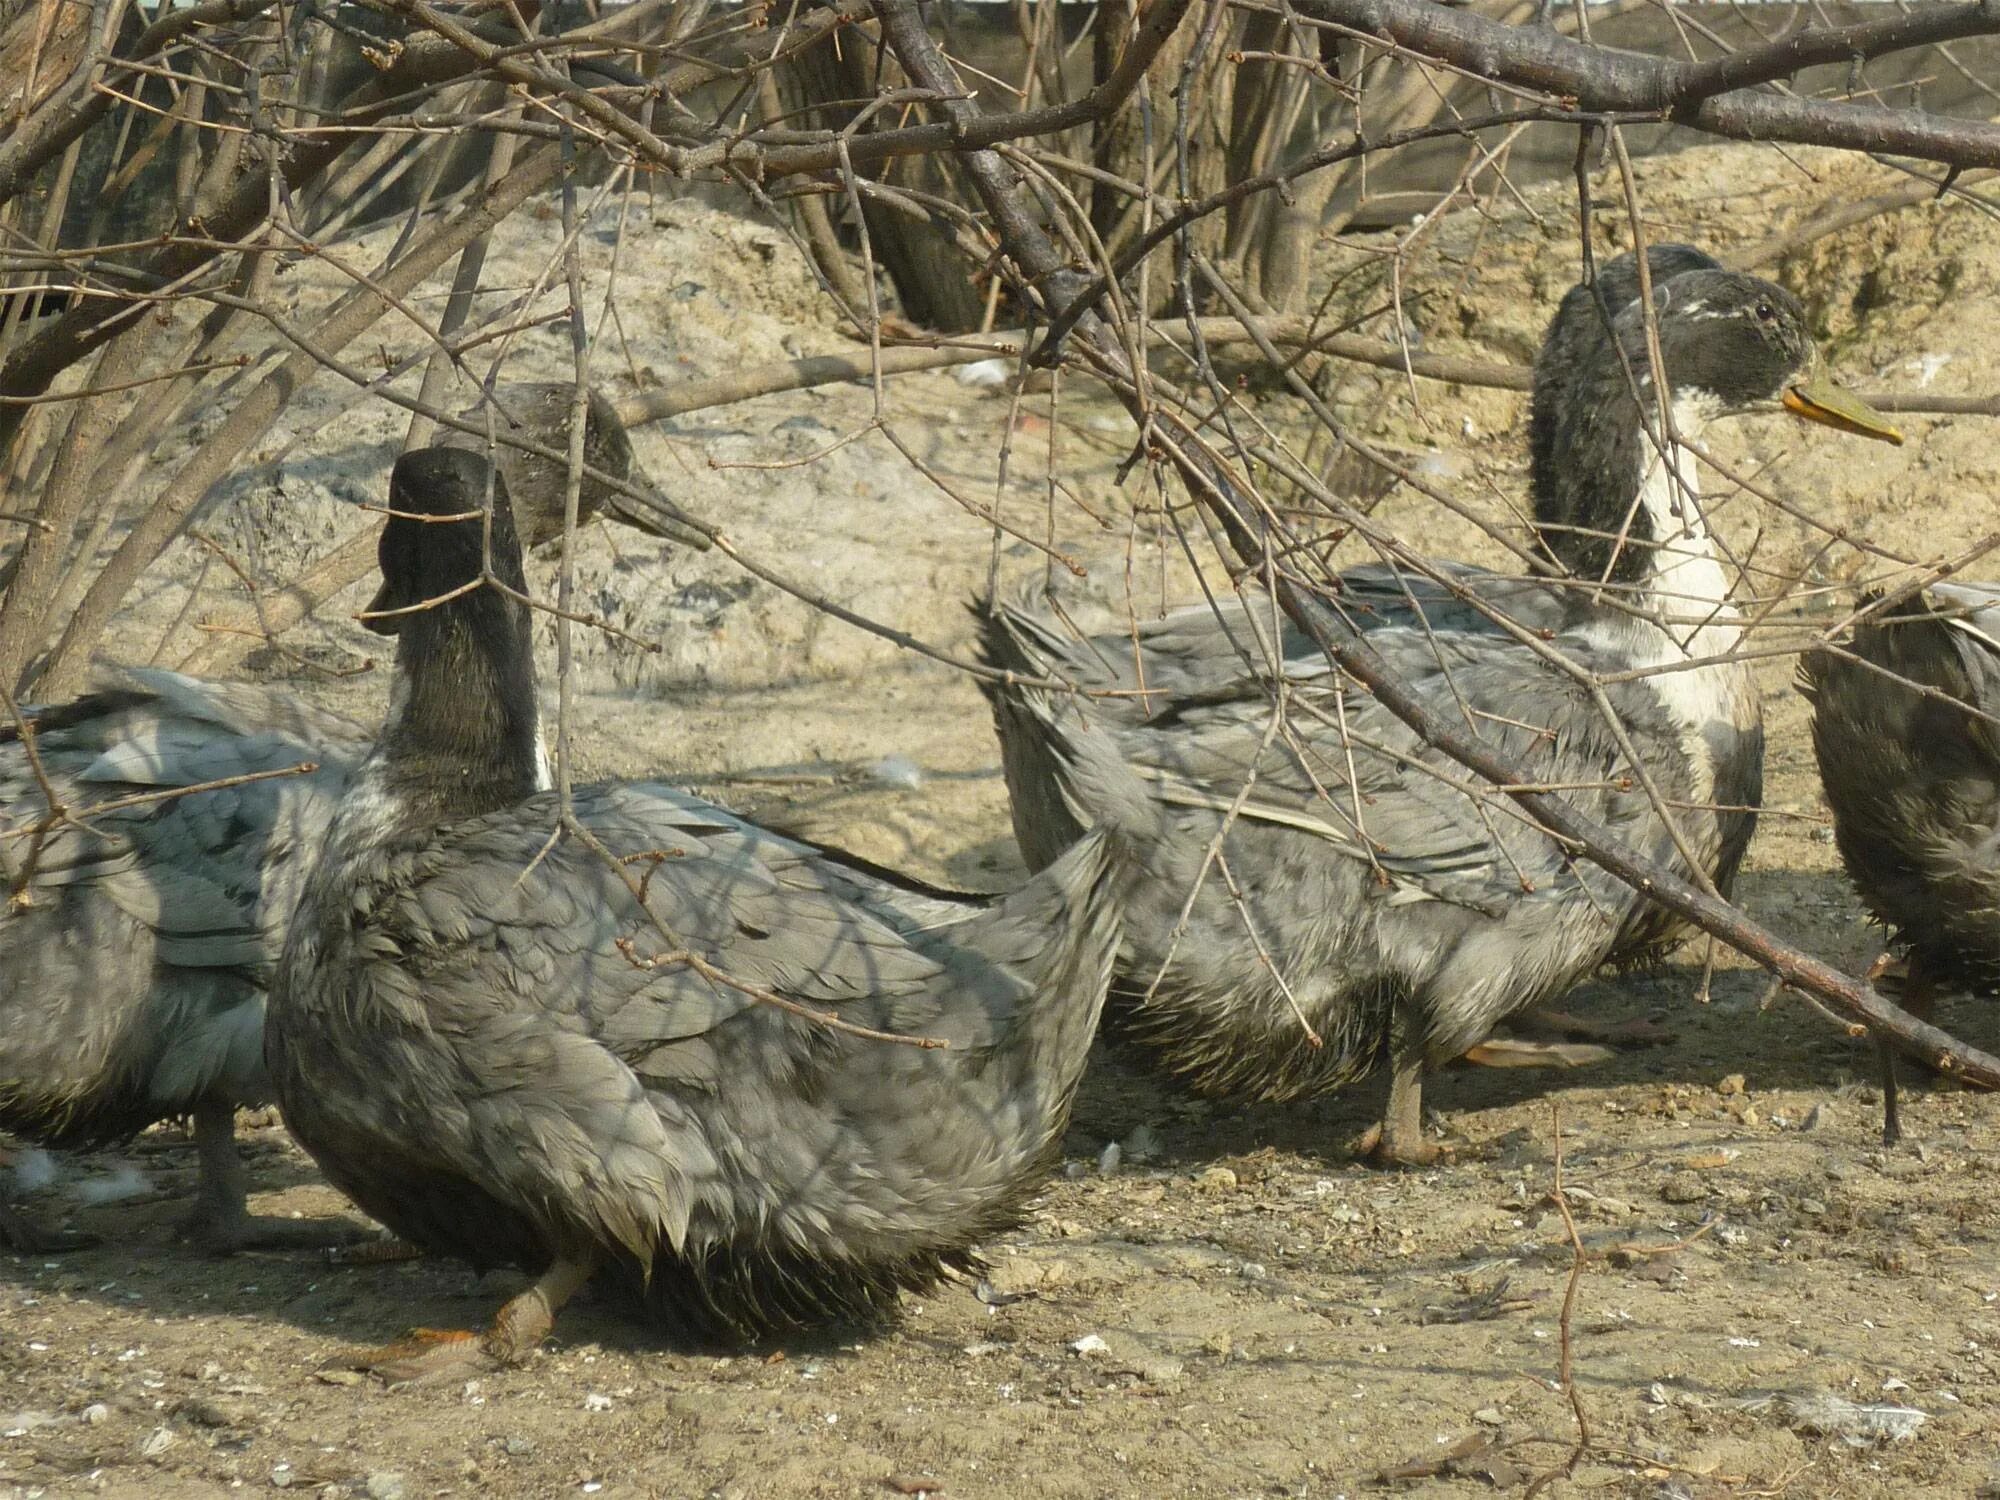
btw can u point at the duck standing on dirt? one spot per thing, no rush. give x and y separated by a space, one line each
470 1032
1903 725
1322 891
143 920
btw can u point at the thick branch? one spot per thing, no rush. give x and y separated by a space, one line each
1710 96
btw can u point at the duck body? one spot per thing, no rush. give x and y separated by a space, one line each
475 1062
1328 876
1401 913
471 1035
1190 650
1911 774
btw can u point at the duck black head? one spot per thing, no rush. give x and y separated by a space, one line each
1729 343
464 728
1585 318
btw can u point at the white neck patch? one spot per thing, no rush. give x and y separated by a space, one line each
1682 611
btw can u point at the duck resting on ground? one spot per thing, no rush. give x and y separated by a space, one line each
138 940
469 1036
1909 756
1361 895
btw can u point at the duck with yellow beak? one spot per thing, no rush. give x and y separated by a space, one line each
1336 896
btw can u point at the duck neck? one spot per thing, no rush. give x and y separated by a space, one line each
1630 515
463 734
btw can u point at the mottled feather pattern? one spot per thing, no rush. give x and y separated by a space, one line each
132 987
1913 780
752 1170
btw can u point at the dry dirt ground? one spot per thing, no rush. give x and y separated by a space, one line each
1233 1307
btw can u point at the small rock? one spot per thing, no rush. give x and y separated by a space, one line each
898 771
1216 1180
1684 1187
1489 1416
385 1485
518 1447
1110 1159
1733 1084
1090 1344
281 1477
1817 1118
156 1442
984 374
1811 1206
596 1401
96 1413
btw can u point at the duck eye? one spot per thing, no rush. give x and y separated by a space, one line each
1765 312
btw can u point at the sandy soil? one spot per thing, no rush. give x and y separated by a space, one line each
1232 1308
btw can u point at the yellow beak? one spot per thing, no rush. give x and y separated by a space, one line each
1818 399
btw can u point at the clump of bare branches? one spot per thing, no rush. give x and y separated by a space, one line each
1140 196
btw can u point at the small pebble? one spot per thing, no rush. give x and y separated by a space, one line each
95 1413
158 1441
1733 1084
385 1485
1110 1159
1817 1118
1090 1344
1488 1416
1684 1187
596 1401
519 1447
898 771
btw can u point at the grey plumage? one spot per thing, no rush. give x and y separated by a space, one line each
134 958
134 954
1910 765
461 1042
1405 917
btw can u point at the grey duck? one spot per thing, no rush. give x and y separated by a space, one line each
468 1035
1359 897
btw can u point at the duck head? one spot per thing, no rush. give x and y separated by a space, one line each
1730 343
463 735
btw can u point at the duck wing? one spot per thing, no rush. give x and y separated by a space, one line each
1346 771
1199 647
666 1104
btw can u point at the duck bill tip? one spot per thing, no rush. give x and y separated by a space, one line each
1823 402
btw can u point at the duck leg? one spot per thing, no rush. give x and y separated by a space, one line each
1398 1141
1908 986
1636 1031
220 1222
519 1326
